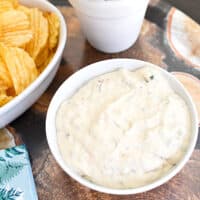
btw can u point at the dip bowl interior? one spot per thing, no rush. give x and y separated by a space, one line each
74 82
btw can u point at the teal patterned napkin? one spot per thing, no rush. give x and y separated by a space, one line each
16 179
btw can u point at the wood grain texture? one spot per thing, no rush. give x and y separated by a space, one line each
51 181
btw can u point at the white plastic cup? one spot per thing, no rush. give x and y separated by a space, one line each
111 26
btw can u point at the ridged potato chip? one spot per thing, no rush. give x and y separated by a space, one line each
54 25
21 67
15 3
5 79
47 61
39 26
4 98
42 56
28 41
14 28
24 9
6 5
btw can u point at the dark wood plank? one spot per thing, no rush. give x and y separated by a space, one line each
191 7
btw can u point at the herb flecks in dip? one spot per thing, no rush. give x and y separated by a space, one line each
124 129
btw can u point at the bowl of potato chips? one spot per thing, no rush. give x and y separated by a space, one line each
32 39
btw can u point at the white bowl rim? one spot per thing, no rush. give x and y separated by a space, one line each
61 45
57 155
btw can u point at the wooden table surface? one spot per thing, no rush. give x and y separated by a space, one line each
52 183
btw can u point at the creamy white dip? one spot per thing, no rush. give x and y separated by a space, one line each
123 129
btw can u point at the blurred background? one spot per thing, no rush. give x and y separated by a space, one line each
190 7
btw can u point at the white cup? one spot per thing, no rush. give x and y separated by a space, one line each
111 26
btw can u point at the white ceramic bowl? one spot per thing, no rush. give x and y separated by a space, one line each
111 26
74 82
22 102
